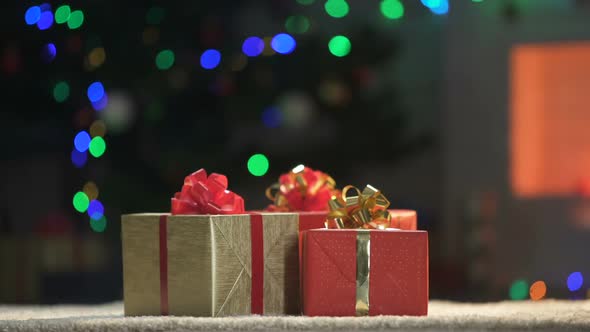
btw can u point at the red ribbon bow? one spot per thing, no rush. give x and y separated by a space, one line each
302 189
206 195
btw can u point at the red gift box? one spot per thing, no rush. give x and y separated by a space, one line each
404 219
356 272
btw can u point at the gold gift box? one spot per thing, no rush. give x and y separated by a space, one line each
209 265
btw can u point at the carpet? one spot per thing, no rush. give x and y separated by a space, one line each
546 315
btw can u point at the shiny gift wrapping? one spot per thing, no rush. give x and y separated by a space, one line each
358 272
205 265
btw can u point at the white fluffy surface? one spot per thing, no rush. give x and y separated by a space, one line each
546 315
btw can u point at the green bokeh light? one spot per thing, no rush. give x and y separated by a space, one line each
305 2
392 9
98 225
519 290
76 19
337 8
339 46
61 91
155 15
81 202
62 14
97 147
165 59
477 0
297 24
258 164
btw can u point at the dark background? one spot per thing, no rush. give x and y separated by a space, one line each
396 113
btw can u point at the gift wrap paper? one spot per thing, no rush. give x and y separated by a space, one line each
358 272
203 265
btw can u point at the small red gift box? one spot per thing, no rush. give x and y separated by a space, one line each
358 272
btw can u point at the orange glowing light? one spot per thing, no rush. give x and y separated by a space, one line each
538 290
98 128
549 100
91 190
96 57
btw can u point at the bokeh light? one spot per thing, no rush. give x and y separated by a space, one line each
82 141
119 114
95 209
165 59
575 281
334 92
101 104
283 43
96 57
297 109
150 35
95 92
297 24
155 15
45 20
519 290
336 8
79 159
48 52
438 7
210 59
97 147
62 14
98 225
91 190
538 290
258 164
98 128
392 9
339 46
431 3
32 15
272 117
253 46
76 19
305 2
61 91
81 202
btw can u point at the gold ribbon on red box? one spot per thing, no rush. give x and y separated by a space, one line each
365 211
368 209
302 189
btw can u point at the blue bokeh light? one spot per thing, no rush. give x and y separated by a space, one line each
32 15
283 43
95 92
101 104
48 53
253 46
82 141
210 59
79 159
438 7
272 117
95 209
45 20
575 281
431 3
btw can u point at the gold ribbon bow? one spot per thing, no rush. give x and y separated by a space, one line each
368 209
